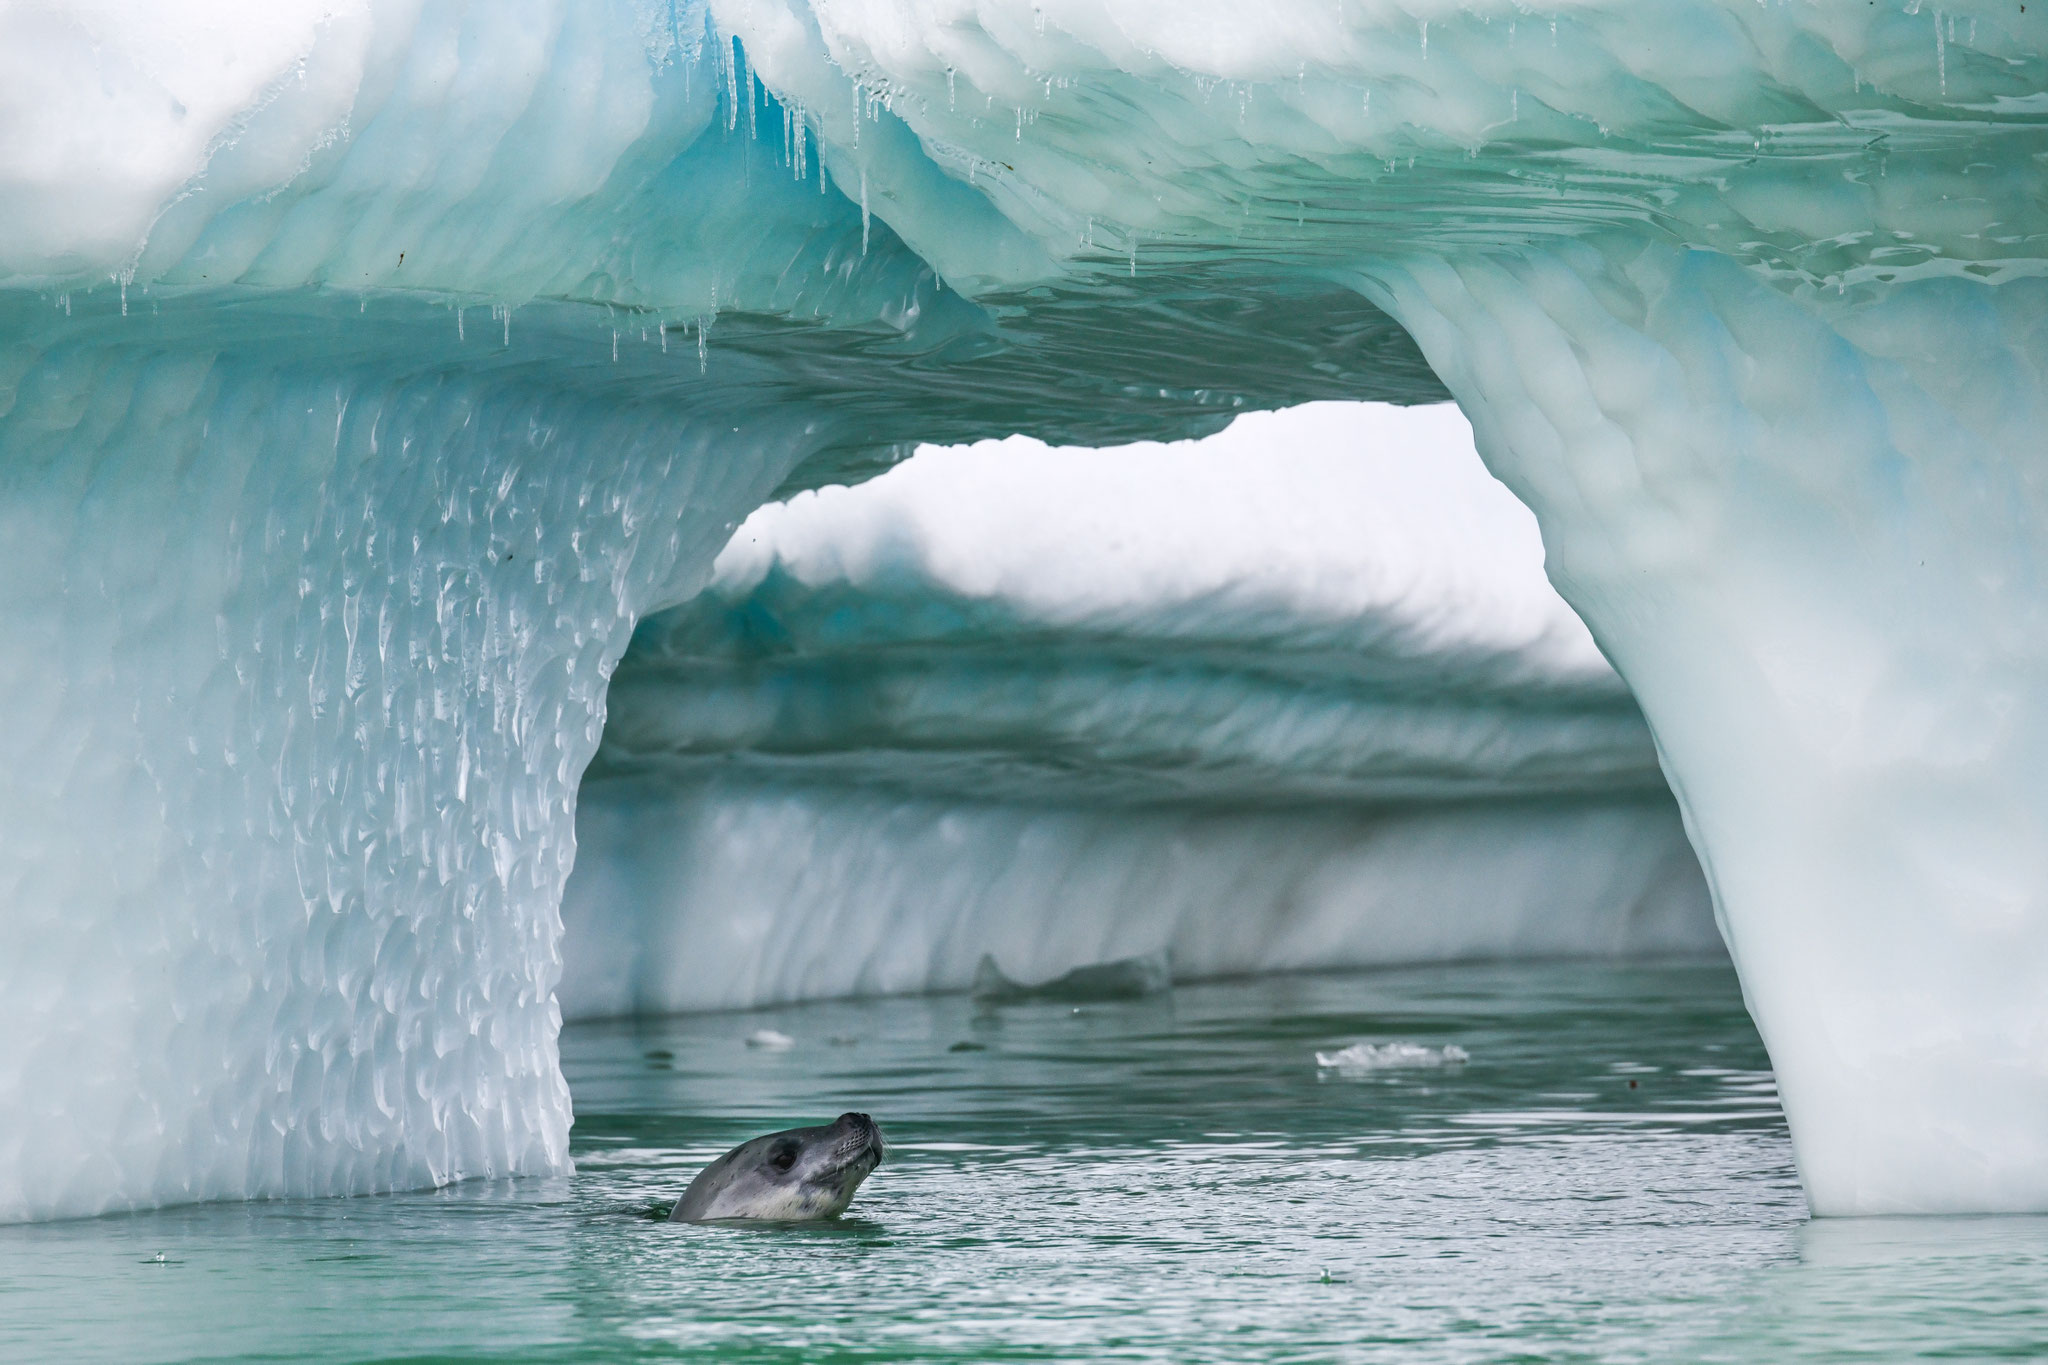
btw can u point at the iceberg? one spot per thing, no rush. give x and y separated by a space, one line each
1294 696
368 369
1334 602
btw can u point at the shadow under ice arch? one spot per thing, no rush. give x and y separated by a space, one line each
309 604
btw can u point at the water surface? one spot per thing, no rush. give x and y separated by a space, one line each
1174 1179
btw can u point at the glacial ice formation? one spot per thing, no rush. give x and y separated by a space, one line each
1293 696
303 668
1336 602
314 311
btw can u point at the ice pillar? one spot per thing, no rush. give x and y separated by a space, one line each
1808 527
303 667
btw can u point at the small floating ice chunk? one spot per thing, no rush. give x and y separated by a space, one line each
1385 1056
771 1040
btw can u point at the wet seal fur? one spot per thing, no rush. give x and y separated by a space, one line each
797 1175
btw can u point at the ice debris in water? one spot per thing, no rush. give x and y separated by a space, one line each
770 1040
1386 1056
1130 978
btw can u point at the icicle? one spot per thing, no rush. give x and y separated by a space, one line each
703 345
732 85
615 345
458 326
1425 40
1514 104
952 100
863 210
1940 54
856 116
1134 255
746 84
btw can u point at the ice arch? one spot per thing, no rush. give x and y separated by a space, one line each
1744 299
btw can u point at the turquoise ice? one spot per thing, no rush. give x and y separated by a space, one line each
367 370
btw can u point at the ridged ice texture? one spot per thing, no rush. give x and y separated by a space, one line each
1816 142
1293 696
734 894
1842 503
302 671
1803 232
1335 602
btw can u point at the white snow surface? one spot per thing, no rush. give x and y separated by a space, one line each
1352 530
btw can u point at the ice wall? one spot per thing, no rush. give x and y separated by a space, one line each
1293 696
302 669
723 894
1744 300
1851 509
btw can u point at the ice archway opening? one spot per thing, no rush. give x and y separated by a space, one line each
1294 696
369 369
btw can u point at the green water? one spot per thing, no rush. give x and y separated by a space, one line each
1170 1180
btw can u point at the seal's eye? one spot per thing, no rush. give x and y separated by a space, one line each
784 1158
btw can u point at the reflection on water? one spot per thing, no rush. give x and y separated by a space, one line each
1862 1289
1172 1179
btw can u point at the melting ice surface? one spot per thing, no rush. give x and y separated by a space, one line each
1294 695
1171 1179
370 369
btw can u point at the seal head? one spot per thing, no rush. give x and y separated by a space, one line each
792 1176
